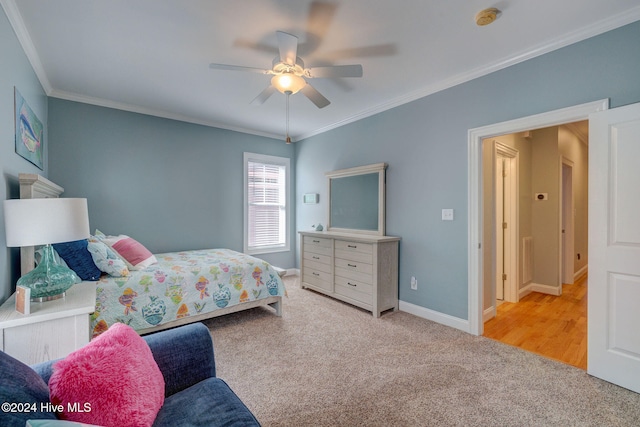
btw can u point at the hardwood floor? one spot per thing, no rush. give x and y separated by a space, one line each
552 326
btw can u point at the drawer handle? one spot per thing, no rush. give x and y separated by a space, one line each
316 241
315 274
352 265
315 257
352 246
351 284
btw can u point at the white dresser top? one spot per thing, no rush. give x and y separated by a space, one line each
355 237
79 299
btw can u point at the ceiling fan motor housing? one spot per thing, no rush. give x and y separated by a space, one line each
280 67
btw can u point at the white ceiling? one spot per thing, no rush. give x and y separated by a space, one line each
152 56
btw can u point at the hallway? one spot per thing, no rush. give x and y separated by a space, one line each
551 326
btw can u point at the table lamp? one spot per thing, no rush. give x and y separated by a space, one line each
31 222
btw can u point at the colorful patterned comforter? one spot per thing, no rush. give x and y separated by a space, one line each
183 284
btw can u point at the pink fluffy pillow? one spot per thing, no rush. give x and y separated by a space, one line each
114 376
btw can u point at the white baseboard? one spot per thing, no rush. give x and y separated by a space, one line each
435 316
489 313
292 272
537 287
578 274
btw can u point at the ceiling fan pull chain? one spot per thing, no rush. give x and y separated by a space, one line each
288 138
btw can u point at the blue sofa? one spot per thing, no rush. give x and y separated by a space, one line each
194 396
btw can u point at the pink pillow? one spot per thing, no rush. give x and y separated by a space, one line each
133 252
115 375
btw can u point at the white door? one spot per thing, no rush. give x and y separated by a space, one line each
567 234
506 195
500 253
614 246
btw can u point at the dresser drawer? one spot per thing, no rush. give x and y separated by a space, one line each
355 285
317 278
351 290
355 266
317 245
365 248
321 258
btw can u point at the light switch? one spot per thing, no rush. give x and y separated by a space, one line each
447 214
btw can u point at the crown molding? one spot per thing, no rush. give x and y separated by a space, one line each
16 21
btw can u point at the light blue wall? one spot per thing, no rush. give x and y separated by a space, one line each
15 71
170 185
174 185
425 145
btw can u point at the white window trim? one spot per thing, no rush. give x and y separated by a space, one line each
274 160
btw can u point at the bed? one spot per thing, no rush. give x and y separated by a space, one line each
181 287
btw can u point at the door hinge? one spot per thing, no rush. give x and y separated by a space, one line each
504 225
504 277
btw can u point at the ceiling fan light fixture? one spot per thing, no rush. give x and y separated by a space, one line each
288 83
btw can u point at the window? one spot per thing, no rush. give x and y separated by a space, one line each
266 207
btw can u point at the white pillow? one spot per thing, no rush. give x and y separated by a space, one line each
106 259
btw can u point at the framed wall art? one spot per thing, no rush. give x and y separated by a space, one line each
29 132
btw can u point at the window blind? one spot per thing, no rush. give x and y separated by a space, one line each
266 198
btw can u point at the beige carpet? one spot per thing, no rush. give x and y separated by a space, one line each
326 363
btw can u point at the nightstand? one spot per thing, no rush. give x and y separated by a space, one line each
52 330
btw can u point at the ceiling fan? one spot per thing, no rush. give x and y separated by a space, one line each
289 74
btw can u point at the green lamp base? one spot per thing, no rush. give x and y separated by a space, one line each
49 280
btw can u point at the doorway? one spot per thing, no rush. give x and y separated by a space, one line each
477 291
547 320
564 195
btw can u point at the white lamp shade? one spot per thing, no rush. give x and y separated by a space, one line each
30 222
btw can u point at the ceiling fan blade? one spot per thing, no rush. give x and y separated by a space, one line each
238 68
264 95
288 47
321 14
314 96
335 71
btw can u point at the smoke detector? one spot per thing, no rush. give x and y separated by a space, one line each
487 16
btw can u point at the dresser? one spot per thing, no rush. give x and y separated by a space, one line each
359 269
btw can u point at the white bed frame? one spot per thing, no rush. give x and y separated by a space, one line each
33 186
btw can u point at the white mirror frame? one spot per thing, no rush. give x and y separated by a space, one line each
378 168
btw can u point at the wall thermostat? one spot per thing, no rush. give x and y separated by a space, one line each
542 196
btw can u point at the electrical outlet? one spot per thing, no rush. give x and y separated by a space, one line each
414 283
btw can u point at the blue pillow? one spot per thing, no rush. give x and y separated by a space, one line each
78 258
21 385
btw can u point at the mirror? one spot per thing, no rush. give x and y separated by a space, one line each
357 200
